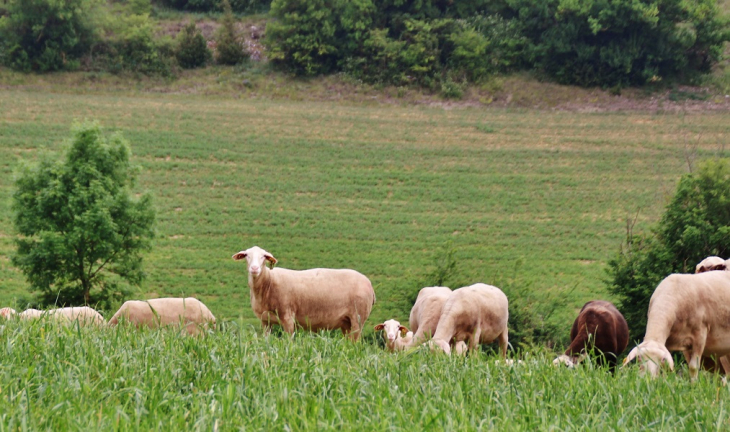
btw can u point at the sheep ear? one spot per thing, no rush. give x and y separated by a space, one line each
403 330
379 327
270 258
239 256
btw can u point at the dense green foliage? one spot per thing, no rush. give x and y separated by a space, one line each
81 233
626 42
47 35
239 6
58 378
695 225
229 49
192 49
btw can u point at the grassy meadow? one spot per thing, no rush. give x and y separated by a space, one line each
535 202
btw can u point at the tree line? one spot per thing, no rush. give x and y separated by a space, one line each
437 44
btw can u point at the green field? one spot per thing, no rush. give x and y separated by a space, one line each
532 201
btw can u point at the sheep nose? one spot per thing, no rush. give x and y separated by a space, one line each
255 269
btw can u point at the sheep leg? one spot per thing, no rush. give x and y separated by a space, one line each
288 324
503 340
694 354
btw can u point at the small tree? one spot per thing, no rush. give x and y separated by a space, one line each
192 49
229 50
80 233
696 224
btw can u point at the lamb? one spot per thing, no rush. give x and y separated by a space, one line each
313 299
190 312
688 312
474 314
601 327
711 263
393 331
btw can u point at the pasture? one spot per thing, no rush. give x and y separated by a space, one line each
535 202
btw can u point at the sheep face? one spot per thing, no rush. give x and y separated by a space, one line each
392 329
256 259
651 355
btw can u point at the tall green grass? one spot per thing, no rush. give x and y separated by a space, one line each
535 202
66 378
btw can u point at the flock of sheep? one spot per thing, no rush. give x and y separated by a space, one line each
687 312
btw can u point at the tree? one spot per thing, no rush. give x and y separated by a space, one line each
80 232
229 50
48 35
695 224
192 49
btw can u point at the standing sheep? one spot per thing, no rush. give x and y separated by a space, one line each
84 315
599 327
474 314
687 312
713 364
190 312
314 299
426 312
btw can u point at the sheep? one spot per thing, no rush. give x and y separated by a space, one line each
688 312
313 299
426 312
599 326
711 263
190 312
393 332
84 315
474 314
7 312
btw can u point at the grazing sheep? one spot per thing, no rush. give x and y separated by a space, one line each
599 327
393 332
190 312
426 312
7 312
30 314
474 314
711 263
84 315
687 312
314 299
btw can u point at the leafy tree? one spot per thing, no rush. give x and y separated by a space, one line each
695 224
81 234
228 44
47 35
192 48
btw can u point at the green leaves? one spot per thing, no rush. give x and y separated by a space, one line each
79 228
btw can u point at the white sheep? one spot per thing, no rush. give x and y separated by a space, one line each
474 314
426 312
314 299
688 313
711 263
189 312
7 312
67 315
397 337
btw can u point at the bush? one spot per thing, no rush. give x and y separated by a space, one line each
47 35
80 231
240 6
192 48
616 43
228 50
695 224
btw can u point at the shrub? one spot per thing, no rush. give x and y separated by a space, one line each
80 231
47 35
626 42
228 48
192 48
240 6
695 224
